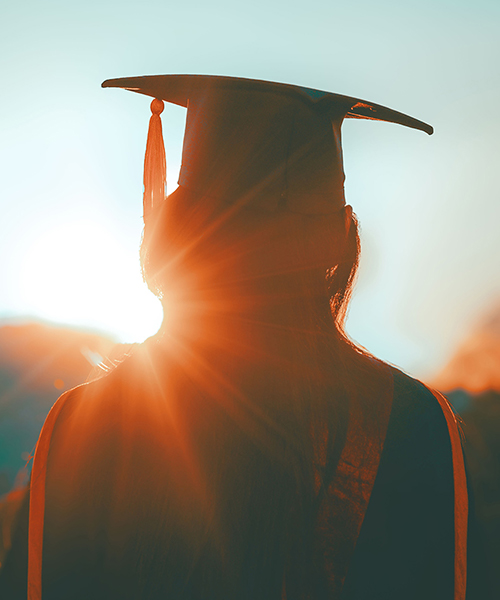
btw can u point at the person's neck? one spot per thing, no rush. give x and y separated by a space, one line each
275 337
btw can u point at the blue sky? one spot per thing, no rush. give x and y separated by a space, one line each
71 154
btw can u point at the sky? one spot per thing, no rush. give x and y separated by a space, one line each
71 153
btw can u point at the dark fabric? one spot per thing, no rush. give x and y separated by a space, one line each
405 549
134 509
14 571
406 545
347 495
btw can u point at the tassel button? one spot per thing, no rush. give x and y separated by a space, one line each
157 106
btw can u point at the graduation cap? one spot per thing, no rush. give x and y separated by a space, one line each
259 143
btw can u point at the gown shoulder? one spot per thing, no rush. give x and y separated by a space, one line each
406 545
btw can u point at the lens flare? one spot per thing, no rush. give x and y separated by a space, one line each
79 273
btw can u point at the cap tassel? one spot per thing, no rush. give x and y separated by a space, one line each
155 164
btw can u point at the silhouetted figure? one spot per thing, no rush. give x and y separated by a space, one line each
249 450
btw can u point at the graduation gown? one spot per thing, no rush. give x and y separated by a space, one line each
392 523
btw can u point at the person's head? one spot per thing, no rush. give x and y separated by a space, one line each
260 214
251 145
205 258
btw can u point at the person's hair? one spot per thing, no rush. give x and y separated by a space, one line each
198 223
267 488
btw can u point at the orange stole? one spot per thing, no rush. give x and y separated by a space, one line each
461 500
37 500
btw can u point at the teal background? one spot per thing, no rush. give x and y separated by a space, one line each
71 153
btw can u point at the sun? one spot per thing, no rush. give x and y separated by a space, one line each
81 273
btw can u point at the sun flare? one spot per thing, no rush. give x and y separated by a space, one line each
81 274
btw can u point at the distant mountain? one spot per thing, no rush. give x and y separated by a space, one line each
475 366
37 363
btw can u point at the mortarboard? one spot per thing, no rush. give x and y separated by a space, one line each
260 143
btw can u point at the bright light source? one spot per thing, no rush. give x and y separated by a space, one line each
79 273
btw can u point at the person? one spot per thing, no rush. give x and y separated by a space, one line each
249 450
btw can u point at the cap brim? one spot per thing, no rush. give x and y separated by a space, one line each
179 89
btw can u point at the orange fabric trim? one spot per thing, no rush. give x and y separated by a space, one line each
461 504
37 501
